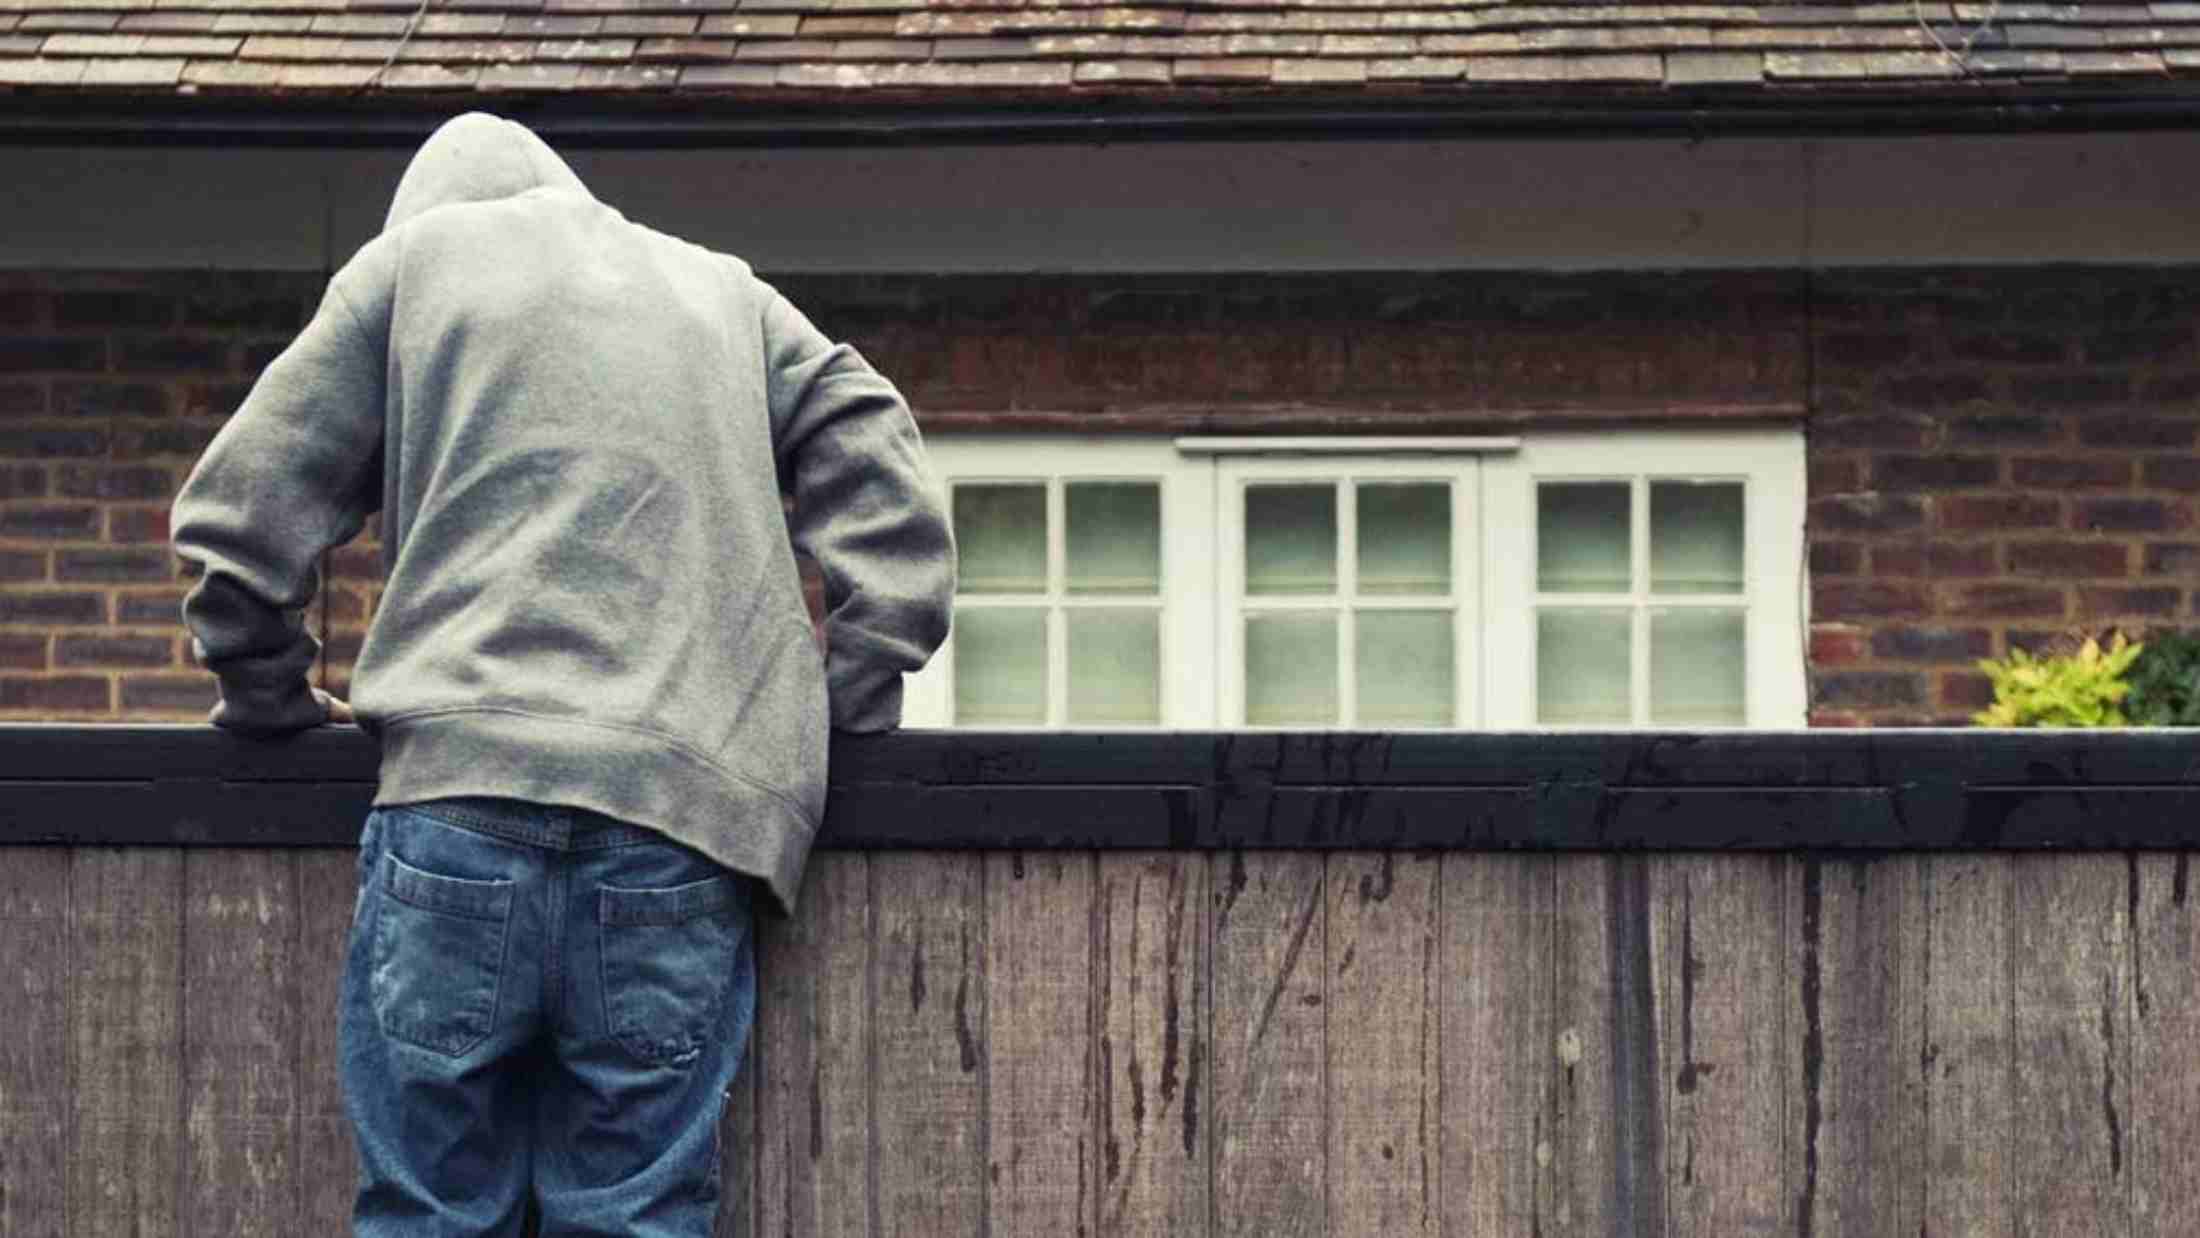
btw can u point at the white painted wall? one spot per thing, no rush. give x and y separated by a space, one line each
1256 206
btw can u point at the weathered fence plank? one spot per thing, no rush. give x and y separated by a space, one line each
34 1078
1039 1009
125 1025
1968 1050
1153 1063
1384 1152
1608 1130
737 1135
2165 1071
328 1167
814 1045
2072 1038
1724 946
1269 1045
1854 1031
1499 1043
240 1043
928 1006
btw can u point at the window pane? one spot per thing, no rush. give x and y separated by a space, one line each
1695 537
1291 670
1115 666
1001 538
1697 661
1404 667
1581 537
1291 539
1114 537
1000 665
1405 539
1581 667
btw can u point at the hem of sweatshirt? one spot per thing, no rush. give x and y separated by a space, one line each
634 775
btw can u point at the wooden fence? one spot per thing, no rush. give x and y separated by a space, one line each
1459 985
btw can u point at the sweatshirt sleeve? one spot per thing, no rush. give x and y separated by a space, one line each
293 472
866 508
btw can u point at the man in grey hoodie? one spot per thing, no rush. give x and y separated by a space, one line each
602 709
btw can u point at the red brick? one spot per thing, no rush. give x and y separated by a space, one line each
29 354
23 651
2003 429
2131 515
1935 559
1835 475
1866 513
128 481
52 441
1933 391
1998 511
2006 602
1835 559
109 399
1866 689
132 525
171 354
22 399
1834 719
2069 559
114 651
1869 600
1835 646
53 607
2108 603
1882 430
140 441
168 694
50 522
17 566
343 646
2148 346
2181 473
2172 559
116 566
2072 390
1936 472
1931 644
22 481
355 562
55 694
1966 690
160 609
1864 348
2070 472
343 606
2149 432
113 308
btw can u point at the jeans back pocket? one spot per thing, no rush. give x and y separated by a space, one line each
438 957
668 959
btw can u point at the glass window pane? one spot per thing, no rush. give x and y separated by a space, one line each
1001 538
1115 666
1404 667
1291 670
1405 539
1291 539
1114 537
1697 667
1581 667
1695 537
1000 666
1582 537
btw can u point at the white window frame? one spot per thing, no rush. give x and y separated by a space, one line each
1493 550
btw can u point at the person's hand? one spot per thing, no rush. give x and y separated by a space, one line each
338 712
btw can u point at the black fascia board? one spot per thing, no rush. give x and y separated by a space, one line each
674 123
1839 791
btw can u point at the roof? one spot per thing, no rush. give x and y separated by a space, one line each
936 52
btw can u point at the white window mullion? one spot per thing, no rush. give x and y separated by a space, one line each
1348 591
1638 579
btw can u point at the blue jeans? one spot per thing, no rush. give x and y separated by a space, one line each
541 1002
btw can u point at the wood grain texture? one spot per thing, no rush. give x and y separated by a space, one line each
737 1136
1607 1125
1726 955
1854 1029
1499 1037
1154 1064
928 1004
1270 1046
813 1065
1040 1103
1968 1049
125 1035
328 1167
34 1069
1384 1139
240 1042
2165 1072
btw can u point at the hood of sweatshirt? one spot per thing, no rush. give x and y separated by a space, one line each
477 158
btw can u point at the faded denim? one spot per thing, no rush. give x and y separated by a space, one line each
540 1002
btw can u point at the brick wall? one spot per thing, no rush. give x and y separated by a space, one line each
1995 457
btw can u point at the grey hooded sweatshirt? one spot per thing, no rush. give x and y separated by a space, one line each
577 430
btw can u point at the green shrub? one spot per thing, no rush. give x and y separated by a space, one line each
2085 688
2165 681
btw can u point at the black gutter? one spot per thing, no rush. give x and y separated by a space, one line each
1850 791
672 121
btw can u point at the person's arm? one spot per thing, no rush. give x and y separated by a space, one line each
866 509
293 472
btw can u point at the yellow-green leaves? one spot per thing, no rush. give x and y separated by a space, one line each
2085 688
